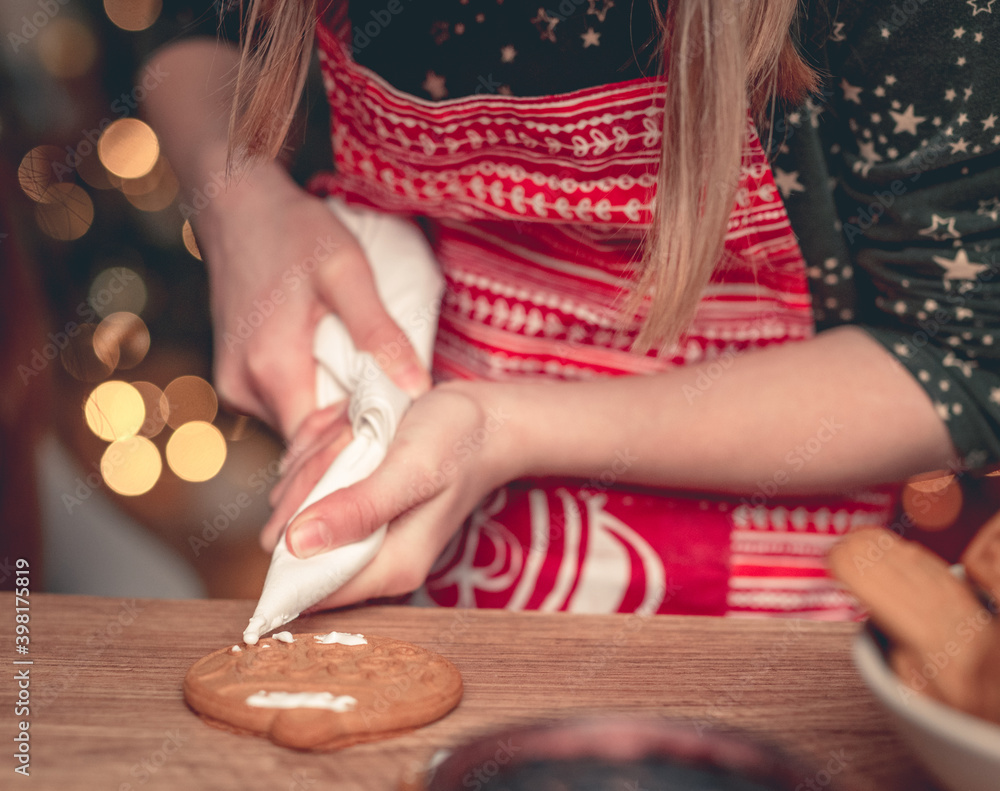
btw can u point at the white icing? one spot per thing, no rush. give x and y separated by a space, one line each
266 645
343 638
302 700
285 637
409 284
235 649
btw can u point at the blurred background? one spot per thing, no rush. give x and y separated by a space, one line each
119 473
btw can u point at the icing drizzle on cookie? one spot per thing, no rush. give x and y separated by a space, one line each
343 638
302 700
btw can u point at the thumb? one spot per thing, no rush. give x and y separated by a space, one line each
352 513
351 292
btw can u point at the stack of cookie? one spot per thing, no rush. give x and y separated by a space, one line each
944 630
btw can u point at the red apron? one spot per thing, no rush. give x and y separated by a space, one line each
537 208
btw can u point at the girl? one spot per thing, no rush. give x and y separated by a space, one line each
631 412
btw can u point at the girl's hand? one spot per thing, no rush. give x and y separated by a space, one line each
278 260
454 446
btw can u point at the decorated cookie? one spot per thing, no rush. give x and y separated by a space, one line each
322 692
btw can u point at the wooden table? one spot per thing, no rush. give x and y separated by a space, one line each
107 710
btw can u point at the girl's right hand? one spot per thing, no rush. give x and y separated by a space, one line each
279 260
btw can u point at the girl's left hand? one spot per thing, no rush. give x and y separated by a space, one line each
453 447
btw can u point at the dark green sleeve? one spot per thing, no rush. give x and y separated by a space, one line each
892 181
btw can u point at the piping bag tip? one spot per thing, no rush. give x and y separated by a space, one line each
260 626
294 584
254 630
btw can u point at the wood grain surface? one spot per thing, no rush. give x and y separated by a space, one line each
107 710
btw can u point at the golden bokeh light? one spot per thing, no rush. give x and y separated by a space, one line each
67 214
117 289
114 410
36 174
196 451
133 15
152 399
127 334
932 500
144 184
153 192
189 398
159 199
131 466
187 233
67 48
93 172
129 148
86 360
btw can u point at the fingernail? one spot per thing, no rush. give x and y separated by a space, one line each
412 378
310 539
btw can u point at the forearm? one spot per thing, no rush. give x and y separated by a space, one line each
190 113
823 416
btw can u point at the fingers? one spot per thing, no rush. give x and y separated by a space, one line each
353 513
264 365
233 387
324 435
982 558
942 636
909 590
320 429
412 546
349 289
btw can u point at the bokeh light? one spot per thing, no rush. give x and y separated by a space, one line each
67 214
189 398
36 174
196 451
117 289
114 410
144 184
153 192
933 500
93 172
152 399
125 332
187 234
84 359
129 148
133 15
67 48
131 466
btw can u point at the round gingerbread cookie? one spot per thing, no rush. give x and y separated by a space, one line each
322 692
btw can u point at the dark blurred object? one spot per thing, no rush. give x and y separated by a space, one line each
612 753
24 395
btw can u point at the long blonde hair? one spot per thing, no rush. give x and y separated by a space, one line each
276 38
723 59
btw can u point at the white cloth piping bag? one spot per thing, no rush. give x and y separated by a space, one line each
410 285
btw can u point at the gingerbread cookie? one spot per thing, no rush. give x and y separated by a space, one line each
322 692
